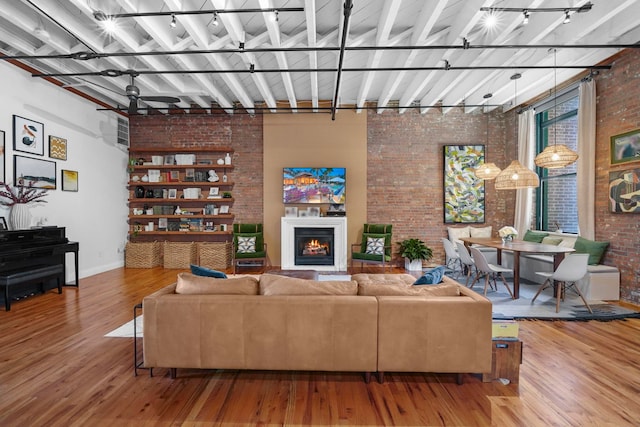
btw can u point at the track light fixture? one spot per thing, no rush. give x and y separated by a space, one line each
101 16
173 21
274 17
215 19
527 11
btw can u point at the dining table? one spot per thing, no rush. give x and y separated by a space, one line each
518 247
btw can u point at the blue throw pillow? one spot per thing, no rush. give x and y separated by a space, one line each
431 277
207 272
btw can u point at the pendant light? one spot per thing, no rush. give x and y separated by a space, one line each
516 176
487 170
555 156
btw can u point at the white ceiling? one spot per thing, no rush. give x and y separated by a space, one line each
61 27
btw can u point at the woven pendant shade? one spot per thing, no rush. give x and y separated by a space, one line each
487 171
556 156
516 176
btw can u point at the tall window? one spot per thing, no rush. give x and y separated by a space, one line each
556 206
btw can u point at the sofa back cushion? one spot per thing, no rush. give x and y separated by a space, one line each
480 231
549 240
443 290
534 236
199 285
457 233
591 247
273 284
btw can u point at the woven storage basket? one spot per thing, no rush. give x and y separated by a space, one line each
179 254
143 255
216 255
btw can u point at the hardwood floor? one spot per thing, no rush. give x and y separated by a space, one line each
58 369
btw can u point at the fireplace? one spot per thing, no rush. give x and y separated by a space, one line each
321 255
313 246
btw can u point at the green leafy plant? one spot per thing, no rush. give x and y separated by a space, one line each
414 249
226 195
12 195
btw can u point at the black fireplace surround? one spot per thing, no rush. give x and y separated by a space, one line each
314 246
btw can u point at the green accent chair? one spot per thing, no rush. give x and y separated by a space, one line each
241 257
359 251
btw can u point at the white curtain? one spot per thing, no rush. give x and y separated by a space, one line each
526 155
586 160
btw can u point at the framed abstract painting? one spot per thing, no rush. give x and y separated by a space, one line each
28 136
463 190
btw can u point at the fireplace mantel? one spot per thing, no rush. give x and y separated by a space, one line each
288 226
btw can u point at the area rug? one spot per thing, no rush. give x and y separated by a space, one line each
126 330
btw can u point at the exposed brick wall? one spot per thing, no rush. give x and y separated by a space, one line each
618 111
405 170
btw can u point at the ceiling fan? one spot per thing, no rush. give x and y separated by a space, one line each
133 93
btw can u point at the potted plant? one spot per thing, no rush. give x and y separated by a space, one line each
19 199
414 252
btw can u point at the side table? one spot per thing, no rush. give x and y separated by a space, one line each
506 358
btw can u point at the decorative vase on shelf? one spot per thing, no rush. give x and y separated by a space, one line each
20 216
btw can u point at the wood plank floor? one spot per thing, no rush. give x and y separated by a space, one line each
58 369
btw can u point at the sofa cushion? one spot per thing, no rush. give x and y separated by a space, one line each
480 231
365 240
207 272
457 233
534 236
198 285
273 284
384 279
591 247
431 277
246 244
555 241
444 289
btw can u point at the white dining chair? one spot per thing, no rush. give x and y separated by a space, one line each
467 263
490 271
452 258
572 268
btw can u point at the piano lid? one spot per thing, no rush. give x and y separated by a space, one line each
39 236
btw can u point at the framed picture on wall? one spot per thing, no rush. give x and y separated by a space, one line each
69 180
28 136
463 190
57 147
625 147
37 173
624 191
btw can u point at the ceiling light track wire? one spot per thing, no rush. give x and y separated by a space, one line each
101 16
340 70
82 56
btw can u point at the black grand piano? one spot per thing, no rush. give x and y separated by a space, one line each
33 248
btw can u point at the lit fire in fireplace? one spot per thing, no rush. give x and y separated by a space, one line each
314 247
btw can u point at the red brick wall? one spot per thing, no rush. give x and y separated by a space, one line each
618 111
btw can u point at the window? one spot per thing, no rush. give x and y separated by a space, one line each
556 206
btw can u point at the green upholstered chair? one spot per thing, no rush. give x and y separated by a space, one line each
374 247
249 247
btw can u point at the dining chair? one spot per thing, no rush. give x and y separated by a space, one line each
467 262
452 258
490 271
572 268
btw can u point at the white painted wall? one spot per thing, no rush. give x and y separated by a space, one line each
96 215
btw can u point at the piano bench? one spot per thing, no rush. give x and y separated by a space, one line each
34 274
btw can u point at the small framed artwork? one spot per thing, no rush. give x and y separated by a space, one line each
214 191
224 209
2 171
169 160
315 211
290 211
36 173
173 193
189 175
57 147
163 224
174 176
303 213
28 136
625 148
624 191
3 224
69 180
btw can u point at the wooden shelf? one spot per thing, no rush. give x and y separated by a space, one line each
174 167
143 201
185 233
180 150
133 184
221 216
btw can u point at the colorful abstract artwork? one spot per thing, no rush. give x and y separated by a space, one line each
69 180
463 191
57 147
624 191
28 136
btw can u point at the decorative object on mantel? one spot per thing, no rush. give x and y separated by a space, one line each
507 234
20 199
414 252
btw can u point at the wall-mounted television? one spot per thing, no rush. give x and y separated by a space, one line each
314 185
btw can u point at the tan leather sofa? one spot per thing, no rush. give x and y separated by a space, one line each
282 323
